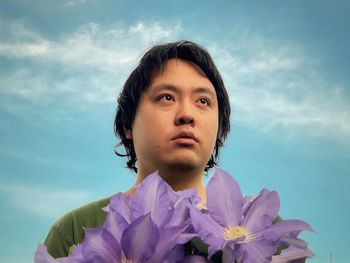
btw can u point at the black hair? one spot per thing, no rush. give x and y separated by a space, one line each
140 79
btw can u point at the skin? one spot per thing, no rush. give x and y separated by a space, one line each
180 99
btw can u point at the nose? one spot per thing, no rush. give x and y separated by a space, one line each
184 115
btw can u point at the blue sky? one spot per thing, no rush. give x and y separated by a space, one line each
284 63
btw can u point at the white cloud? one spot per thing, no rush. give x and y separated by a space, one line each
74 2
93 61
73 91
41 201
107 49
20 40
22 156
277 89
272 85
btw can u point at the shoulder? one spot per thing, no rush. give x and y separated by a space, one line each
68 230
89 215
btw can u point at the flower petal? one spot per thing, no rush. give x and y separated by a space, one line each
168 242
195 259
247 200
185 237
189 194
297 242
228 255
209 230
178 215
289 227
140 238
176 255
42 256
181 202
261 211
115 223
121 203
224 199
99 245
292 253
152 197
257 251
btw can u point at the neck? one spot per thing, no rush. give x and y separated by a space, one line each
178 179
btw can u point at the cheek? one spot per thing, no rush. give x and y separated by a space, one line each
210 131
151 131
212 126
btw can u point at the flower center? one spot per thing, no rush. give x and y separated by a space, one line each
232 232
125 260
201 206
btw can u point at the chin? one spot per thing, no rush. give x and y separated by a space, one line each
183 165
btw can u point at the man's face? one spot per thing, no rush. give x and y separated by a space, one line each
176 123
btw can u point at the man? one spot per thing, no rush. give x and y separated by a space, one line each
173 116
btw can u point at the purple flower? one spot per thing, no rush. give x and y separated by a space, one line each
42 256
242 228
169 210
292 253
100 245
167 207
153 225
133 227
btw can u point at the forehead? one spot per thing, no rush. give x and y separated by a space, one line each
183 74
176 65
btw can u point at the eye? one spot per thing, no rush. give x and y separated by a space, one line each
204 101
166 97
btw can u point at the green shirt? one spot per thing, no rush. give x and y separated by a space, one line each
68 230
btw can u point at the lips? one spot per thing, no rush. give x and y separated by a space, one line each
185 135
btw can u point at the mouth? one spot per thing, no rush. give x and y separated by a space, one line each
185 138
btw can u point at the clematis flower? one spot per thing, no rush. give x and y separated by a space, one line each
292 253
42 256
100 245
153 225
166 206
195 259
169 210
242 228
133 227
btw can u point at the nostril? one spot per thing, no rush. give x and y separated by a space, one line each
184 119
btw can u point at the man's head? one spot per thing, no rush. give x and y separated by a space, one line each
157 64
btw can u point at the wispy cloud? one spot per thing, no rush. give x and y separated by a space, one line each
277 89
74 2
272 85
87 66
41 201
20 156
107 49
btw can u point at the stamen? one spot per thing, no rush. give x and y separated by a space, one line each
201 206
233 232
125 260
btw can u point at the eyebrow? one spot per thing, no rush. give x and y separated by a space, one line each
176 89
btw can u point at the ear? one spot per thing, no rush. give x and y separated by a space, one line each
128 134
